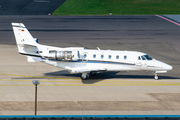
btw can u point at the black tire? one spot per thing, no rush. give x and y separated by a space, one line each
93 73
83 78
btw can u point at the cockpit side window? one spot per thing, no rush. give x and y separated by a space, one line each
143 58
139 58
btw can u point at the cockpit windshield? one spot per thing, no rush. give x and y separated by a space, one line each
148 57
145 57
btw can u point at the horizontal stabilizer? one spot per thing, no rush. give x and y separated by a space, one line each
33 59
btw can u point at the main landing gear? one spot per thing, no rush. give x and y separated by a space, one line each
92 73
85 76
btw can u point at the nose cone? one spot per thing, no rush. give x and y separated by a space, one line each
164 66
168 67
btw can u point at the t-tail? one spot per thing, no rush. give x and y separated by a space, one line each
25 41
27 45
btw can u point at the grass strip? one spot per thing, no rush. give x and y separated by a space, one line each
118 7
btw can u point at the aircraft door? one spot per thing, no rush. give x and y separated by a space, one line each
141 63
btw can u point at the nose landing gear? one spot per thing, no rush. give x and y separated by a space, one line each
155 76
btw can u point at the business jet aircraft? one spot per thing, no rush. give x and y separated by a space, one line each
85 61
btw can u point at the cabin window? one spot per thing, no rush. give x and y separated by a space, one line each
85 55
117 57
139 58
125 57
94 56
102 56
109 56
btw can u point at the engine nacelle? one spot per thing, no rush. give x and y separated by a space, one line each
64 55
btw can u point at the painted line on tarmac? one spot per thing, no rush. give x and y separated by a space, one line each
168 19
91 116
78 82
37 76
91 83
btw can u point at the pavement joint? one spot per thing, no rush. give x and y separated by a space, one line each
172 48
66 82
165 106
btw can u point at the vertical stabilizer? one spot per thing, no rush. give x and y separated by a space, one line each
23 37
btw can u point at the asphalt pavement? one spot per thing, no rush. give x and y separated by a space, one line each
72 29
106 93
29 7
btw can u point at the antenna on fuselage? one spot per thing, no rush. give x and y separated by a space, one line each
98 48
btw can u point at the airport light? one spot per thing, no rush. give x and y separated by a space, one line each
36 82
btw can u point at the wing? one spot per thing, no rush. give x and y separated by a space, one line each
34 59
83 70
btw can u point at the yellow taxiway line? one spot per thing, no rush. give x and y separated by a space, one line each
24 82
37 76
56 81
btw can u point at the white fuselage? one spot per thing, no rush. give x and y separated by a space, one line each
110 60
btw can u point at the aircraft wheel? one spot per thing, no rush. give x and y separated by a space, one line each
84 76
93 73
87 75
156 77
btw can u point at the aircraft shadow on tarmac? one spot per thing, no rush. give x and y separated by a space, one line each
106 75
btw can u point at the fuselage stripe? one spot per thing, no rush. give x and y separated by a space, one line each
80 60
